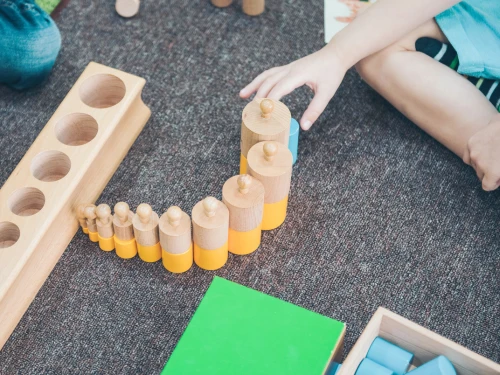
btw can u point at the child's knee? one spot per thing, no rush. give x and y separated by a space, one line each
30 48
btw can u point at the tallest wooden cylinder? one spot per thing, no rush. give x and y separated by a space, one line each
263 120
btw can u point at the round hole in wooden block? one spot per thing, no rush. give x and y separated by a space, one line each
9 234
102 91
26 201
76 129
50 166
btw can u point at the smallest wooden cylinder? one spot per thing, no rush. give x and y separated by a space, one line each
80 214
263 120
210 233
244 197
91 216
221 3
125 244
254 7
145 224
176 241
271 163
104 224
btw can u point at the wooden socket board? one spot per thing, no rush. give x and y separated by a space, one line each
69 164
425 344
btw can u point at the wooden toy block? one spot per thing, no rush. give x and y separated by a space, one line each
271 163
80 213
125 244
237 330
369 367
253 7
390 356
127 8
221 3
105 227
438 366
91 217
244 197
424 344
210 233
293 140
176 241
146 233
263 120
68 164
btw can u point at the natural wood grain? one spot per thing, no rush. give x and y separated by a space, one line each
263 124
222 3
254 7
145 224
271 163
244 197
122 222
104 221
43 236
210 223
175 231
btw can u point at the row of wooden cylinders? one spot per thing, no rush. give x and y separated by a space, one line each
250 203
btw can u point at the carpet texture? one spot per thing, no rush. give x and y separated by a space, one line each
380 214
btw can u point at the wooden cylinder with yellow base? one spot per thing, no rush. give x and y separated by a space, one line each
176 241
244 197
125 244
221 3
145 224
91 217
80 214
271 163
104 224
254 7
263 120
210 233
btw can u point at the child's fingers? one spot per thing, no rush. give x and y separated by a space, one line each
269 83
255 84
491 181
316 108
285 86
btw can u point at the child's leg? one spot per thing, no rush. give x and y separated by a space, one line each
433 96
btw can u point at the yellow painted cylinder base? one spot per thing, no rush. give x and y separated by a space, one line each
243 164
85 230
177 263
106 244
149 254
274 214
94 236
125 249
243 243
210 259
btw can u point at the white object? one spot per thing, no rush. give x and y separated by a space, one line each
127 8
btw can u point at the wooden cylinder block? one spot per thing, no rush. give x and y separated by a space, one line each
176 240
105 227
221 3
124 237
271 163
263 120
80 214
254 7
91 217
145 224
244 197
210 233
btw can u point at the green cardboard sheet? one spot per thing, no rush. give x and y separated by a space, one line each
239 331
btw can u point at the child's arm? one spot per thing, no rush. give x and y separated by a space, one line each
382 24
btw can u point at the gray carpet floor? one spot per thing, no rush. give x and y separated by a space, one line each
380 214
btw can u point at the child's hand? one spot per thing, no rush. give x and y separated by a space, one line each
322 71
483 154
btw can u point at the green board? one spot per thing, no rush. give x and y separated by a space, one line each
239 331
